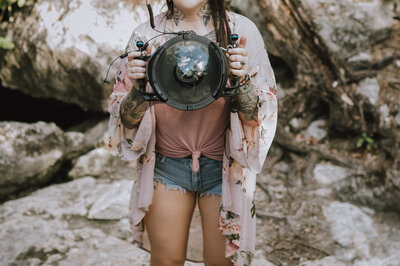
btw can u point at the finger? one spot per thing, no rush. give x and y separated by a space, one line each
148 49
137 63
238 58
239 51
239 73
136 75
137 70
235 65
242 42
133 55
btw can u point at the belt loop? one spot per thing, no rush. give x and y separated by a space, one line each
160 157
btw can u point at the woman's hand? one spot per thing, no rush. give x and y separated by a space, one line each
238 60
133 107
245 104
136 67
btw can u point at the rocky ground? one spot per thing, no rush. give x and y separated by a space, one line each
84 221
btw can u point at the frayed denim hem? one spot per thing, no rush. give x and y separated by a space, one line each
209 193
172 187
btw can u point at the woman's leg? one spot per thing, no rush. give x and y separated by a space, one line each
167 223
214 241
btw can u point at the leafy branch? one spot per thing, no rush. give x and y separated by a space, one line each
369 142
6 43
7 10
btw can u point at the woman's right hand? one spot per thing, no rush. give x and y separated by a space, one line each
136 67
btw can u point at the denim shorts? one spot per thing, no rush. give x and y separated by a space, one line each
177 173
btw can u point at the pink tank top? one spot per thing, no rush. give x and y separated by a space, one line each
183 133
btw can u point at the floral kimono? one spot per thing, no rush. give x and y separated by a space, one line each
246 147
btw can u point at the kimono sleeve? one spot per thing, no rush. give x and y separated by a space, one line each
252 143
127 144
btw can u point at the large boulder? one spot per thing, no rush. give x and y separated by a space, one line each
52 226
350 27
101 164
30 154
63 49
82 222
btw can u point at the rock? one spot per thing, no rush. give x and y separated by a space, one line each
384 116
322 192
369 88
51 226
326 174
282 167
393 259
360 61
96 136
369 191
361 58
63 58
113 204
327 261
351 228
105 250
100 163
397 118
30 154
298 123
317 129
260 260
349 27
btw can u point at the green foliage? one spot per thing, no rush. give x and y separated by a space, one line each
8 7
369 142
7 10
9 3
6 43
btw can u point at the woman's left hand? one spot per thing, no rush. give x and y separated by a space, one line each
238 60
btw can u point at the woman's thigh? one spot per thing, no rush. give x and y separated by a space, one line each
167 223
213 239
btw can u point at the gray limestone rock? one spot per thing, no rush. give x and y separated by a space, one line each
113 204
351 27
317 129
326 174
65 47
327 261
397 118
100 163
352 228
384 120
30 154
91 163
51 226
370 88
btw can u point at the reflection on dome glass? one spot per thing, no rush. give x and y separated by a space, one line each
191 58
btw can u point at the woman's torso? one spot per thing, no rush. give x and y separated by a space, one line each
200 132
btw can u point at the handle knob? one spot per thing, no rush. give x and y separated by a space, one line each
234 39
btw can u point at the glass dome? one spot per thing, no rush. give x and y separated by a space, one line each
188 71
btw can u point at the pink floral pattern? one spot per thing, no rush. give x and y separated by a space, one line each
244 156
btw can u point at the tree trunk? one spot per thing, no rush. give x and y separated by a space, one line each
344 58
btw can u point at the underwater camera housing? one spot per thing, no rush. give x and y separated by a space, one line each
187 72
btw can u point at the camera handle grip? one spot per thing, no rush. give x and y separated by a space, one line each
229 91
143 82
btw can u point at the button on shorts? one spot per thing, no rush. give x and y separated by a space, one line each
177 173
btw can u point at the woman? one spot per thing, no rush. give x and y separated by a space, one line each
176 168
